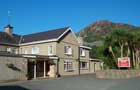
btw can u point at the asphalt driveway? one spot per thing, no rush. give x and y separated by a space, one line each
83 82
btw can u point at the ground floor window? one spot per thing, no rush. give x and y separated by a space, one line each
68 65
83 65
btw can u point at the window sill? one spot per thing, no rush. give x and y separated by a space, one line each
50 54
83 68
68 70
82 55
69 54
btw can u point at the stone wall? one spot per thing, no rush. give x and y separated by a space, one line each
117 74
12 68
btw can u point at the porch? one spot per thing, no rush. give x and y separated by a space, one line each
40 66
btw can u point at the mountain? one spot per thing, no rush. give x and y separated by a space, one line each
93 34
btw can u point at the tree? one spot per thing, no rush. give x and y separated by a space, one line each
134 45
120 42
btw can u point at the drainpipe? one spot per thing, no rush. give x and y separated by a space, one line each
79 60
58 68
89 65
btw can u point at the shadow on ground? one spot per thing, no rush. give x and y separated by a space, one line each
12 88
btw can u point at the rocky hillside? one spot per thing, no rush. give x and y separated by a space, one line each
93 34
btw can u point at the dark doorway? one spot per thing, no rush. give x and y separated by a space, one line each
39 68
30 74
47 67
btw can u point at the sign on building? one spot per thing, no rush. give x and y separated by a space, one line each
124 62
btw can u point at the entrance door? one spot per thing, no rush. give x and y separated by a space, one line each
30 70
40 68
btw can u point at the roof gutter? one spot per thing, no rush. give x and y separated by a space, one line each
37 42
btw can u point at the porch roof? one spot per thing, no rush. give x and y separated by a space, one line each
35 56
95 60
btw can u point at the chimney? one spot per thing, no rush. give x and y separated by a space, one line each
8 29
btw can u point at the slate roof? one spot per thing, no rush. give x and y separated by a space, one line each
18 39
5 38
47 35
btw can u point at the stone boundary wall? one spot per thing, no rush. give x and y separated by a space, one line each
117 74
12 68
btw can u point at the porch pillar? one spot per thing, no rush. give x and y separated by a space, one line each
44 69
34 71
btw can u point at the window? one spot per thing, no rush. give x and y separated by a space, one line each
68 65
9 49
50 50
14 51
82 52
25 51
35 50
68 50
83 65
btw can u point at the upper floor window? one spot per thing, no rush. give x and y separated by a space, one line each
82 52
9 49
50 50
35 50
16 51
68 50
25 51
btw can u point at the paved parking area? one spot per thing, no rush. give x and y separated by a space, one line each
83 82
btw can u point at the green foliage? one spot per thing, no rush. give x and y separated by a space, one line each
13 67
116 44
103 54
10 65
118 39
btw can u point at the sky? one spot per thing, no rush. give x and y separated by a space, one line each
30 16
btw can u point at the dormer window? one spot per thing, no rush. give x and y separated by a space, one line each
68 50
82 52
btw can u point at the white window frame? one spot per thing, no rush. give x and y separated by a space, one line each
68 65
8 49
16 51
82 52
35 50
50 50
68 50
25 51
83 67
